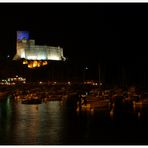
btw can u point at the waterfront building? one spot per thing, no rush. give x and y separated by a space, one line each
13 80
35 55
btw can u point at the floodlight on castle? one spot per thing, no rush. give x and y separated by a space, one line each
35 55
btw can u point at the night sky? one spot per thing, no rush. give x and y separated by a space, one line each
114 35
92 31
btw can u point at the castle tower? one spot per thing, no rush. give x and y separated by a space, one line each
22 44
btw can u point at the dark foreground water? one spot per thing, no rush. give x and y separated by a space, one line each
55 123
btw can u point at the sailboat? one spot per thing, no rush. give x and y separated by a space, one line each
95 99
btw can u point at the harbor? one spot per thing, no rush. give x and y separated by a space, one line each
73 74
59 121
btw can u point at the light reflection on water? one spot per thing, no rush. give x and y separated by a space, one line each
30 124
53 123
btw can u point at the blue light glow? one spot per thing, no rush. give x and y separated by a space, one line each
22 34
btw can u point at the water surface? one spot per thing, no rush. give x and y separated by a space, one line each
55 123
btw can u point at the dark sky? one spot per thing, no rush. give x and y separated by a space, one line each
114 35
86 31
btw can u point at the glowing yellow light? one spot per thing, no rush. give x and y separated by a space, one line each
45 63
35 64
29 65
25 62
39 64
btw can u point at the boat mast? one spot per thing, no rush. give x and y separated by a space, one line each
99 76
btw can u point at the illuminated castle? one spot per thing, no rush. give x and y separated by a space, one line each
35 55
